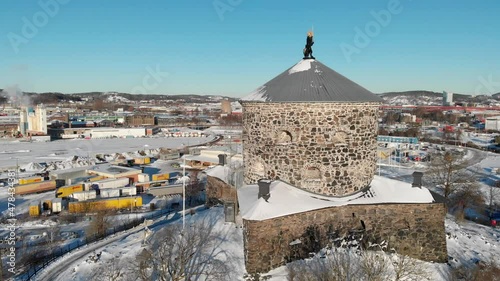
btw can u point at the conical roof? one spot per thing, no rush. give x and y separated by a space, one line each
311 81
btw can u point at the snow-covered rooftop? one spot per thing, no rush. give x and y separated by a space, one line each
286 199
220 172
302 65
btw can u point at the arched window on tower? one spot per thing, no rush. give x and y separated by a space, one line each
283 137
312 177
258 169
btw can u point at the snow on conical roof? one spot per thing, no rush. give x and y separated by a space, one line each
311 81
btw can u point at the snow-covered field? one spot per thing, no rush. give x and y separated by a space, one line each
15 152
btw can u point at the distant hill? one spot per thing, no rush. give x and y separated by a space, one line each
417 97
434 98
111 97
412 94
413 98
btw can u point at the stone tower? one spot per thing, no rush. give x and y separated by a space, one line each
313 128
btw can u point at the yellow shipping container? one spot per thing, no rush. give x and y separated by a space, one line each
66 191
34 210
142 160
128 202
97 178
160 177
30 180
106 204
35 187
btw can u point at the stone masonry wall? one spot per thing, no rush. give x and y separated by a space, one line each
218 191
416 230
326 148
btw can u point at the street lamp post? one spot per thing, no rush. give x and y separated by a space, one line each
184 192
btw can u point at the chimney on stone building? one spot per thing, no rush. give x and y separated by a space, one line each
417 179
222 159
264 187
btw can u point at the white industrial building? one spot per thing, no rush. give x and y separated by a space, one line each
447 98
102 133
492 123
33 120
118 132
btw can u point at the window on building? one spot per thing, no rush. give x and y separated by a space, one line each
312 178
312 173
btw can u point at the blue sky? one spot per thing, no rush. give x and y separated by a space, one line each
111 45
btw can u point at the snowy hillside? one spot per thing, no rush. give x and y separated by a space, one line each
413 98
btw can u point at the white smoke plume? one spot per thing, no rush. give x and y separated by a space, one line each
16 96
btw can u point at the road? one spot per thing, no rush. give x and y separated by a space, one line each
404 174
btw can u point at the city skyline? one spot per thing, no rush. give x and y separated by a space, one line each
232 47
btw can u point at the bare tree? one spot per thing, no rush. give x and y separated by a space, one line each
477 272
99 224
458 135
466 196
390 118
189 254
447 135
193 188
339 264
374 266
109 271
448 172
492 196
406 268
357 263
346 264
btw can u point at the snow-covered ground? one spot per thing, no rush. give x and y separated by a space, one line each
15 152
22 203
478 139
467 242
488 172
124 247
